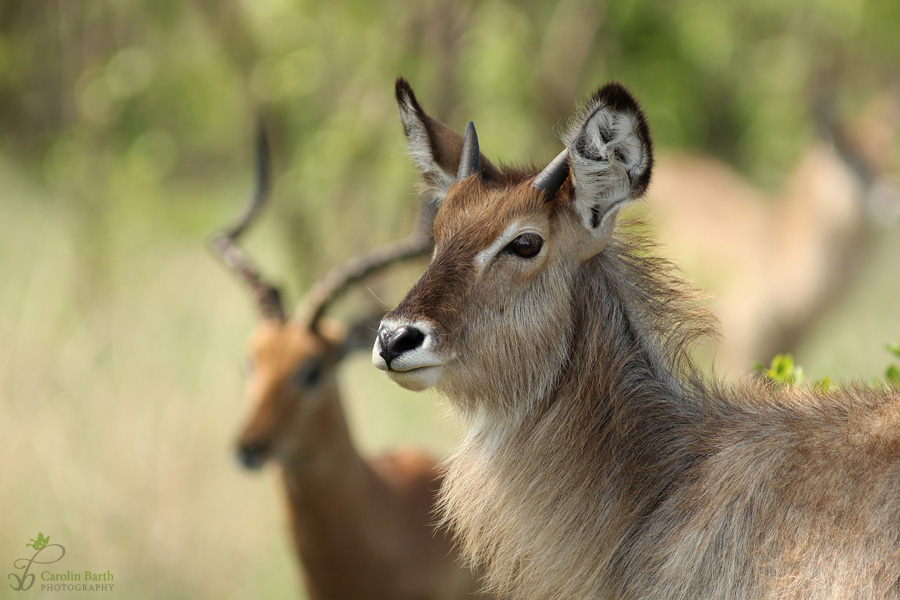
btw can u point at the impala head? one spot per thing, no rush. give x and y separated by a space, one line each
291 373
292 363
493 311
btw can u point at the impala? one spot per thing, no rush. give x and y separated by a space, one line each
599 462
785 259
362 529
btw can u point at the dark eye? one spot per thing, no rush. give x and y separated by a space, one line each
526 245
309 374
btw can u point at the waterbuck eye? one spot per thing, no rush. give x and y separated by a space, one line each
526 245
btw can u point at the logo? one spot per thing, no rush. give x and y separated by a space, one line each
26 580
46 553
40 543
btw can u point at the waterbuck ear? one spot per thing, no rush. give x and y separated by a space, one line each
611 156
435 148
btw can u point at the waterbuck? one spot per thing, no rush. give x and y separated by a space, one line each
599 462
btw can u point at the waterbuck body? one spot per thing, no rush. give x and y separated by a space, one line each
599 462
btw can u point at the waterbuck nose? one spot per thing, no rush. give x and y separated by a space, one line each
395 342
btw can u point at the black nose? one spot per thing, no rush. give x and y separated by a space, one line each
395 342
252 456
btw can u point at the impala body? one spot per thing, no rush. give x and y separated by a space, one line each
362 528
599 462
784 259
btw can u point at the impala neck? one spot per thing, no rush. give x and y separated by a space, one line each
329 491
323 458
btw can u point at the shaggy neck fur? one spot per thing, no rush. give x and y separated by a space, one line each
637 479
622 392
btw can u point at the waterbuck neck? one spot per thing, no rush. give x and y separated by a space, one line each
616 431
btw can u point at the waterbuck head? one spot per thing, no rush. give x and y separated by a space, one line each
292 362
492 317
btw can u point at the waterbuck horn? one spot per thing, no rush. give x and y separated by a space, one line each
470 158
224 243
553 176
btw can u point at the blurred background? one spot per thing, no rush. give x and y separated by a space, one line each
126 138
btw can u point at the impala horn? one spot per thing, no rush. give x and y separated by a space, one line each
225 245
358 268
335 283
553 176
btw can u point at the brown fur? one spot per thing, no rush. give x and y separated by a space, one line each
599 462
784 259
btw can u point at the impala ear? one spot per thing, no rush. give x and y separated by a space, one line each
435 148
611 156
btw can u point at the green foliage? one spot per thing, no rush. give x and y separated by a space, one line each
824 385
783 371
894 349
892 373
165 92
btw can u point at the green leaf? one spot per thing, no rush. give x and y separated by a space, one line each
824 385
782 370
892 375
894 349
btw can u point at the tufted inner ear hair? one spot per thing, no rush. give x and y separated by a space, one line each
611 157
